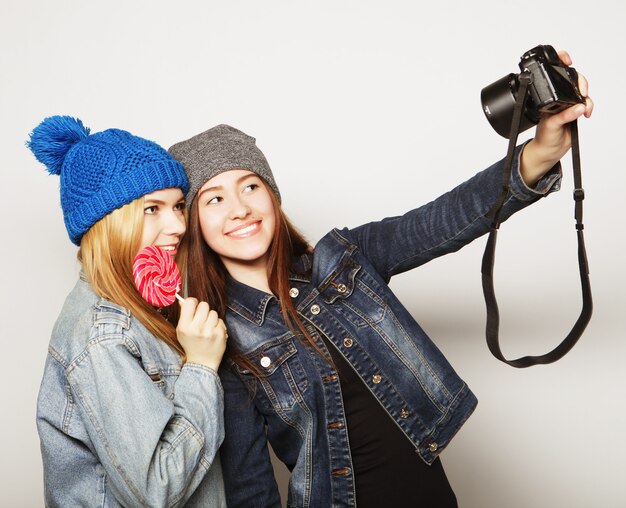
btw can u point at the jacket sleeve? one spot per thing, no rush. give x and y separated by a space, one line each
248 473
449 222
155 451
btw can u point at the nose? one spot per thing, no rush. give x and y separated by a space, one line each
239 209
175 224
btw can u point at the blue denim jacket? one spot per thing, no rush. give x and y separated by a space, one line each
121 422
346 299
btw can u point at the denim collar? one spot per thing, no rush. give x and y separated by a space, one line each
251 303
248 302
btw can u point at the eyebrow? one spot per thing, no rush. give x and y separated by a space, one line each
154 201
218 187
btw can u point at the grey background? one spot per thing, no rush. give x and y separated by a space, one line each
364 109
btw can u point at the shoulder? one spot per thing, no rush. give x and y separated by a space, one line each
336 238
331 252
88 321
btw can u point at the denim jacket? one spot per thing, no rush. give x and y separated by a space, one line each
120 420
296 403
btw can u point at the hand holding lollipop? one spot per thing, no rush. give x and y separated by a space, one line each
156 276
200 331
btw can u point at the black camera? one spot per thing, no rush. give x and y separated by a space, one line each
553 88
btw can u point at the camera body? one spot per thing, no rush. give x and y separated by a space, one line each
553 88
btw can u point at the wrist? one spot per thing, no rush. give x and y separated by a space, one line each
206 362
535 163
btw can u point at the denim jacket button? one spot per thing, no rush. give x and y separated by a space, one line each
376 378
342 288
266 361
433 447
404 413
315 309
348 342
293 292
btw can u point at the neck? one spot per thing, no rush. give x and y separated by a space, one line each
251 274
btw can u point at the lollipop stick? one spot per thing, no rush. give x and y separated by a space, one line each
178 297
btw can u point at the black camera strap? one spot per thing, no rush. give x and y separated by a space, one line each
493 317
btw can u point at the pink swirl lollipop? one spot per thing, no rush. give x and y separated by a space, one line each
156 276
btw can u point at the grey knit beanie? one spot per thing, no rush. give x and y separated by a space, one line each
220 149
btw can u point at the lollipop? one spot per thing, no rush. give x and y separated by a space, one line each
156 276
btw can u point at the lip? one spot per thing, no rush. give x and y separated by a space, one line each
246 230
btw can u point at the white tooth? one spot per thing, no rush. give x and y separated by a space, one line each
245 230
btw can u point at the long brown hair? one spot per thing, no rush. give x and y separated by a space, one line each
207 279
107 252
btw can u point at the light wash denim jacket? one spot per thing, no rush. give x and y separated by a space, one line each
346 299
120 420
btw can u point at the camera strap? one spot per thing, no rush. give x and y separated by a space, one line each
493 317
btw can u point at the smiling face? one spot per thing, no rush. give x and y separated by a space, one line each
237 220
164 219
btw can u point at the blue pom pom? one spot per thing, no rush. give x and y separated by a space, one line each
52 139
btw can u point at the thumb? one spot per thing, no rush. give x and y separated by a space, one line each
568 115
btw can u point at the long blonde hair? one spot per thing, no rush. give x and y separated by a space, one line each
107 252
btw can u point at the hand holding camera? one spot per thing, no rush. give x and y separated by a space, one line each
552 137
557 95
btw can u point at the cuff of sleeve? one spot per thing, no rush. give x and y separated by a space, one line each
204 372
550 182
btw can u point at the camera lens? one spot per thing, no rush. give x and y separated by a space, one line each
498 100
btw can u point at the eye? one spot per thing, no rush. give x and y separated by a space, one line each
179 207
251 187
215 200
150 210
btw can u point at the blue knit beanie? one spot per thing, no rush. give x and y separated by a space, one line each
100 172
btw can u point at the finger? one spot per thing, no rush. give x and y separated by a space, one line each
223 325
567 115
583 85
202 313
588 107
212 319
564 56
187 309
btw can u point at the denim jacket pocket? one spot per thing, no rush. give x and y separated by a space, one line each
355 295
279 372
159 362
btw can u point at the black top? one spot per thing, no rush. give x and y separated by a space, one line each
387 470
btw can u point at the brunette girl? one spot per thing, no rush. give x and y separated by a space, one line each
324 362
